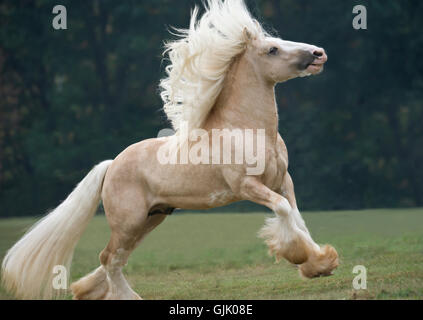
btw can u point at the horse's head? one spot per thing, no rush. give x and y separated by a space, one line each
278 60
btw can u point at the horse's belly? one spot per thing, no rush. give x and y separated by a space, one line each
190 187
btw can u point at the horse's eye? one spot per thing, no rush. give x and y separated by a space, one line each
273 51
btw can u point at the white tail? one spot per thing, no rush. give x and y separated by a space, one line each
27 269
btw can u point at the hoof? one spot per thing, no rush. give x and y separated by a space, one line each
321 264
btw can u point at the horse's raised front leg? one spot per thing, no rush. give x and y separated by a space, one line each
287 191
286 234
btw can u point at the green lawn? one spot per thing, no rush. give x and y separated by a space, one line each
218 256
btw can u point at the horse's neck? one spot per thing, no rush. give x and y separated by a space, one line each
246 101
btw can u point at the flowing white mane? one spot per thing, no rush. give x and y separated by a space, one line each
200 58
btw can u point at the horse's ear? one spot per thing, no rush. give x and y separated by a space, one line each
247 35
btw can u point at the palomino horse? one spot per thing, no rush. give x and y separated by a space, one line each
222 75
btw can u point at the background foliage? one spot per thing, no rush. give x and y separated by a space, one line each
71 98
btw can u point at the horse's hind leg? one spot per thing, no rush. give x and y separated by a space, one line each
107 281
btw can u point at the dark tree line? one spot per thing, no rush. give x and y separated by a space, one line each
71 98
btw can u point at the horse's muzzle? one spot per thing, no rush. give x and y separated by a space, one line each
312 60
306 58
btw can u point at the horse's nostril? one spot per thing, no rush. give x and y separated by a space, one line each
318 53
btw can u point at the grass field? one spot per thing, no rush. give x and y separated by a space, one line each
218 256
